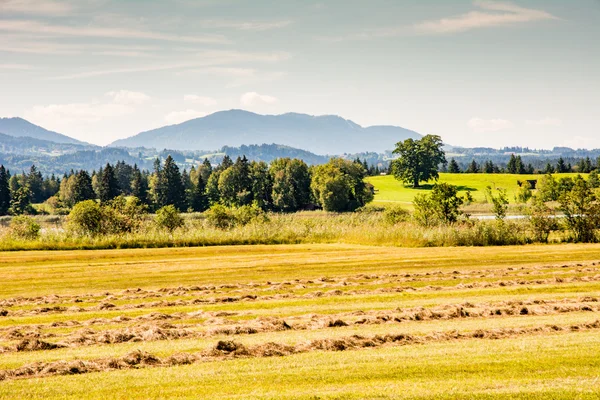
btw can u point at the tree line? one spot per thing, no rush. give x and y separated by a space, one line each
516 165
285 185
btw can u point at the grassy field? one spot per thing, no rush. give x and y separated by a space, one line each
301 321
389 189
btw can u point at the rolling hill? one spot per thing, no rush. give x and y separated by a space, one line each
18 127
327 134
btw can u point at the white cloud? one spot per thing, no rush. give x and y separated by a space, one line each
581 142
30 26
177 117
257 26
544 122
36 7
490 14
201 100
489 125
253 98
128 97
494 14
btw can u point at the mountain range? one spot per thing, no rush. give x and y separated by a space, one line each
328 134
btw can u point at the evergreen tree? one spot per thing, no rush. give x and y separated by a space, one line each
109 187
188 189
35 181
20 202
488 167
561 166
124 176
199 199
82 187
226 163
139 185
549 169
4 191
453 167
172 190
205 170
473 167
262 186
511 167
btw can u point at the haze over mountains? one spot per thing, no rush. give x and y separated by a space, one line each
327 134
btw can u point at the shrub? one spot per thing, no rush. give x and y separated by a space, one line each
168 218
86 218
395 214
247 214
23 227
441 206
220 217
542 220
582 211
122 215
223 217
499 202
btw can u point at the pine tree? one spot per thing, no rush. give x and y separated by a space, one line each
561 167
82 187
4 191
511 167
199 199
473 167
226 163
109 187
139 185
453 167
173 192
35 181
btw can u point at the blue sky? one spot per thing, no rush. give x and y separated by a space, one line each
478 73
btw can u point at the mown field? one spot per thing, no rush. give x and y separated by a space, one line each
388 189
301 321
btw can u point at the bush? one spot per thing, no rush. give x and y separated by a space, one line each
168 218
86 218
23 227
223 217
542 220
220 217
499 202
122 215
395 214
441 206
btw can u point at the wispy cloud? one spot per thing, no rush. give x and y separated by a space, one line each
206 59
490 14
481 125
27 45
128 97
494 14
31 26
36 7
257 26
253 98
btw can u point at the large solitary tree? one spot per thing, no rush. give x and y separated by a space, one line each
418 160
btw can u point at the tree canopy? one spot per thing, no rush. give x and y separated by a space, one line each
418 160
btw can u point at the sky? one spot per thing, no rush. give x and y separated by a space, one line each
477 73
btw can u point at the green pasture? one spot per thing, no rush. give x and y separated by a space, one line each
390 190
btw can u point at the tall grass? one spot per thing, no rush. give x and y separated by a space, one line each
368 228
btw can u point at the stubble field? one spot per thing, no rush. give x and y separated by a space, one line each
301 321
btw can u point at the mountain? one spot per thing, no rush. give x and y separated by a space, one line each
19 127
26 145
327 134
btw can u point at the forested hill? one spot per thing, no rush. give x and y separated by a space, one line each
321 135
30 146
18 127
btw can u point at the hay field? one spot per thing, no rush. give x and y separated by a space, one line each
301 321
